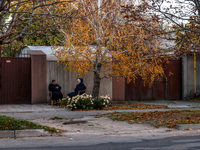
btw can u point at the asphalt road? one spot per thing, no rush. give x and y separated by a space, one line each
112 143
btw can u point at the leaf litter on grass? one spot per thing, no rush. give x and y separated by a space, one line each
167 118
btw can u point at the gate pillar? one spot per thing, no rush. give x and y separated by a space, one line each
38 76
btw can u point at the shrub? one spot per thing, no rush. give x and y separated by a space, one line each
87 102
63 102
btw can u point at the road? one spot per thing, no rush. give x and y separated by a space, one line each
105 143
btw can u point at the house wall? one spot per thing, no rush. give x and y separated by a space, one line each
68 80
188 75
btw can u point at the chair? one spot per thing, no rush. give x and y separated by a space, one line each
81 91
50 94
51 101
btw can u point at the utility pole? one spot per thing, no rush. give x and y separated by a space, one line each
195 76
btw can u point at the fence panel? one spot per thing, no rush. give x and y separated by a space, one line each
15 80
168 88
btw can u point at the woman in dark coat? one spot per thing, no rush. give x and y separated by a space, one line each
56 91
79 86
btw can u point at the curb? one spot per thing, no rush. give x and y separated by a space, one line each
23 133
187 126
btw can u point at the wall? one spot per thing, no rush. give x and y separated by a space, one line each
188 75
68 80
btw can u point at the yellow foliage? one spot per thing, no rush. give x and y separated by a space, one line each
110 43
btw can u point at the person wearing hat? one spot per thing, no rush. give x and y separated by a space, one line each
80 88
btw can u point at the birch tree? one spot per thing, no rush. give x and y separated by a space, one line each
104 38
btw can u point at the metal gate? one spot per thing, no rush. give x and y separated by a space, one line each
15 80
168 88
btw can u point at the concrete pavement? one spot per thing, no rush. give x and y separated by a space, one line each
176 104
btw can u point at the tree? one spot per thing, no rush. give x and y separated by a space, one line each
21 18
111 41
11 49
183 16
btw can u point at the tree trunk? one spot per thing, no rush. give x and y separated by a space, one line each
1 43
96 85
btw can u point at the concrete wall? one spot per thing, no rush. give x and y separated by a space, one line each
188 75
38 77
68 80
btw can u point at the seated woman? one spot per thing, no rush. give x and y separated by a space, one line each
79 87
55 89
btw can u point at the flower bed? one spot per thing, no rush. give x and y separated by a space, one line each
85 102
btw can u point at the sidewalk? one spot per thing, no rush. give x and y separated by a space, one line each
176 104
86 124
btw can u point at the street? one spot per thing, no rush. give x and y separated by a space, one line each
105 143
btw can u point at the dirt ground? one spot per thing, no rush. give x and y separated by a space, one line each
105 126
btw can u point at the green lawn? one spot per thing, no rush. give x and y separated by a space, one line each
9 123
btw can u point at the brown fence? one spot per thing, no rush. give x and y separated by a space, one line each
168 88
15 80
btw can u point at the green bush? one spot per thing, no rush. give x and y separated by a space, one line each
63 102
86 102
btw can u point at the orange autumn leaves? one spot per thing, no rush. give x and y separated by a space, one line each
167 118
108 38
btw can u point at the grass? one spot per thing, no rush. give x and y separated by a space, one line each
167 119
56 118
9 123
133 106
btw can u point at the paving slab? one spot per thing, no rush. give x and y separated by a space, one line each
7 134
31 133
188 126
23 133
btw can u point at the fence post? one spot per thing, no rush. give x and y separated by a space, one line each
0 66
195 82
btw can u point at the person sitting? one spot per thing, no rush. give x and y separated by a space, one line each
55 91
79 90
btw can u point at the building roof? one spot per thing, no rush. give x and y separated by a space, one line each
48 50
